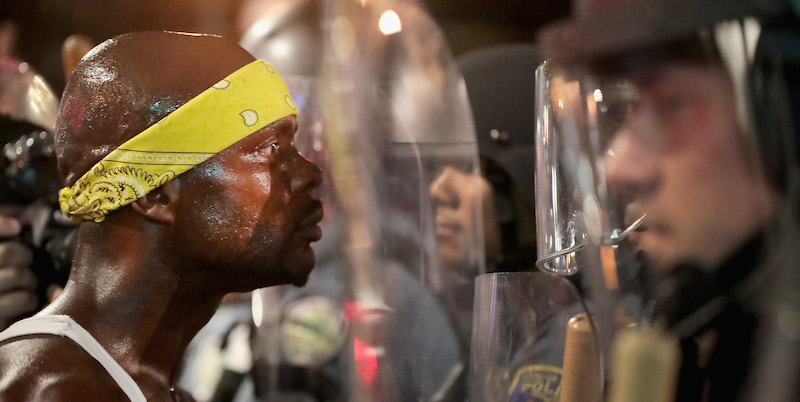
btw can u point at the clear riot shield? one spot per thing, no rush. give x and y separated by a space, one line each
561 223
386 314
405 165
528 328
579 230
300 335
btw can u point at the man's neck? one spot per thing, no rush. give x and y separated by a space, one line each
138 309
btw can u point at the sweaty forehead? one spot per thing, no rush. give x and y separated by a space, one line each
279 131
249 148
130 82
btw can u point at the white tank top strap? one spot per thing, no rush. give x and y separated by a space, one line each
65 326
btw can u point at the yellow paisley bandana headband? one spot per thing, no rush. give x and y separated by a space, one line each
242 103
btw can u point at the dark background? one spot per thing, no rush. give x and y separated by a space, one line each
44 24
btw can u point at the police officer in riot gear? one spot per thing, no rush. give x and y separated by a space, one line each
680 111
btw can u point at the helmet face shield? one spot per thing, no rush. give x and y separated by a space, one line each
371 326
561 223
655 153
403 236
578 122
664 142
384 114
648 163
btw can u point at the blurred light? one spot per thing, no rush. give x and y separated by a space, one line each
281 48
353 310
598 95
258 308
560 104
390 22
366 361
23 67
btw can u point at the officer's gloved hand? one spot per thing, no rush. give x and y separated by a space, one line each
17 281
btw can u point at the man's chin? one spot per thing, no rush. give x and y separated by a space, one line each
300 282
654 250
301 269
661 258
453 258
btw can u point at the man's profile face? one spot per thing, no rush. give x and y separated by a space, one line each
250 210
455 195
681 158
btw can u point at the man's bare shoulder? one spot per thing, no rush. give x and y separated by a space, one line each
51 368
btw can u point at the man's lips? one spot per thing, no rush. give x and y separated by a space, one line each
308 227
637 233
447 228
635 225
654 231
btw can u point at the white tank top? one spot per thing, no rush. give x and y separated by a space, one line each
65 326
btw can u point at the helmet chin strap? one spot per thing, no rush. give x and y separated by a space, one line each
773 77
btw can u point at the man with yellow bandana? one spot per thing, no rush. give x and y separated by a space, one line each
178 158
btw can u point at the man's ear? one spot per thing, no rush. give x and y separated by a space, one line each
159 205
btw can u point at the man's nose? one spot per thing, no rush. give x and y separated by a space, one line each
442 188
306 176
630 169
